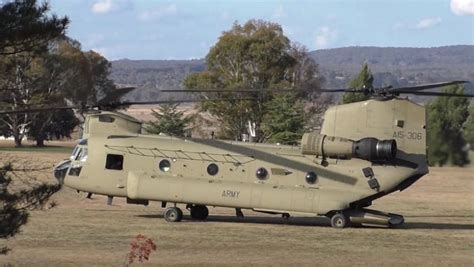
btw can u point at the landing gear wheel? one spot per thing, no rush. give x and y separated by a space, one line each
339 220
173 214
199 212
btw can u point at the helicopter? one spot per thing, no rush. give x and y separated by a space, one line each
364 151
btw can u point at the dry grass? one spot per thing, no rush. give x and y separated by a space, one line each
439 230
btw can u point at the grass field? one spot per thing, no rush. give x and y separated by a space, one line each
51 147
439 230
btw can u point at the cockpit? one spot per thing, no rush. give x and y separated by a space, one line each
73 165
80 151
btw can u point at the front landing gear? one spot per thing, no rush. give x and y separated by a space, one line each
173 214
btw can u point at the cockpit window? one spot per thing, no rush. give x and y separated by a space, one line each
74 154
83 142
82 154
80 151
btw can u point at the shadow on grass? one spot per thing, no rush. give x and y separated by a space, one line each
441 216
314 221
298 221
437 226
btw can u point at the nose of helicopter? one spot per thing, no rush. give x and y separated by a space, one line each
60 170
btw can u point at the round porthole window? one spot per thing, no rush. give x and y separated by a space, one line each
212 169
311 177
261 173
165 165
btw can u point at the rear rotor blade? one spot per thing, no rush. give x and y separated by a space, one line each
435 94
425 86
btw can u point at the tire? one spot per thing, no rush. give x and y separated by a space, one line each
173 214
199 212
339 220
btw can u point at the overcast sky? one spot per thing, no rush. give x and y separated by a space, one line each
159 29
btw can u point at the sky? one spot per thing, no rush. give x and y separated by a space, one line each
186 29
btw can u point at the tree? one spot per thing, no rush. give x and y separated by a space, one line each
19 79
446 117
363 80
55 124
256 55
285 120
46 79
469 127
169 121
26 26
25 29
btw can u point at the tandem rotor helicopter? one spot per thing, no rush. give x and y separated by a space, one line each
365 150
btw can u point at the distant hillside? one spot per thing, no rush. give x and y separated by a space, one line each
397 66
391 66
150 76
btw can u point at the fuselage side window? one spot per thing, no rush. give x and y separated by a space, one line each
114 162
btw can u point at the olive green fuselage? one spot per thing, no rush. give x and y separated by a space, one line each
289 186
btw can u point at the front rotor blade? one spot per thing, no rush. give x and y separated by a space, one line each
40 109
252 90
435 94
158 102
425 86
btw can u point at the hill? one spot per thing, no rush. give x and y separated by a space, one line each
397 66
390 65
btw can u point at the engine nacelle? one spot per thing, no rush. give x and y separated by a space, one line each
368 148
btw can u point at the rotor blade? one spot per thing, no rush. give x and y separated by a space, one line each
425 86
252 90
127 103
117 104
39 109
435 94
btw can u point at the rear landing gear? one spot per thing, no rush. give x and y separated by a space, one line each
339 220
364 217
173 214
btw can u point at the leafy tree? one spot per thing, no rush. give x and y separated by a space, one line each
256 55
446 116
25 30
55 124
469 127
285 120
363 80
169 121
26 26
46 79
84 74
19 79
